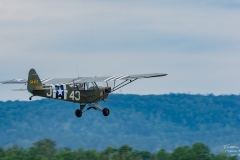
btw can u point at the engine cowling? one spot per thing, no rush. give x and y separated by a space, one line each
107 89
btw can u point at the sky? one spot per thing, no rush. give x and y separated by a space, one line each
195 42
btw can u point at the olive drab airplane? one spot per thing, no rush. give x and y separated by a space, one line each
83 90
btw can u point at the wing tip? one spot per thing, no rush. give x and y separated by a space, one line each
159 75
3 82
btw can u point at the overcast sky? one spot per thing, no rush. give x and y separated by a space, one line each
197 43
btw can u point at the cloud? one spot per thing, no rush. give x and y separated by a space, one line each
108 26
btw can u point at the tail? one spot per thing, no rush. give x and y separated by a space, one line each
34 81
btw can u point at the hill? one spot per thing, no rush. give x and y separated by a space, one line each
146 122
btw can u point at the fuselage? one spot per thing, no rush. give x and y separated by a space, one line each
72 93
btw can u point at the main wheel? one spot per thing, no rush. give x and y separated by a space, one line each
106 111
78 113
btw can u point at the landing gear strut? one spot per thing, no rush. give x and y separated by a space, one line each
79 112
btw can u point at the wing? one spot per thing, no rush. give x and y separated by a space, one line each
116 78
126 79
129 79
86 79
139 76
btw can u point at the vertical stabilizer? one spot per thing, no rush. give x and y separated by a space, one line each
34 81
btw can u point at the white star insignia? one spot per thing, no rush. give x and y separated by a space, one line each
59 91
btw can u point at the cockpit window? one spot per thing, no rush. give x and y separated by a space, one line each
84 86
90 86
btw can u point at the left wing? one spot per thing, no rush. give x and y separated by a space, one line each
87 79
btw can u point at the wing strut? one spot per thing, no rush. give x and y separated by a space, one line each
124 83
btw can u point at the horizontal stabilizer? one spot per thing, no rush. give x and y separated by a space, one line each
15 81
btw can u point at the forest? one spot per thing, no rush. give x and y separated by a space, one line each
46 150
147 122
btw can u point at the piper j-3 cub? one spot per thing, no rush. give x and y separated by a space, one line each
83 90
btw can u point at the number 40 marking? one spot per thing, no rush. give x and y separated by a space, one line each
75 95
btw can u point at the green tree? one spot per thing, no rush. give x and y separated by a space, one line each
64 155
162 155
45 148
223 156
200 151
124 152
2 153
108 153
32 154
91 154
145 155
181 153
14 153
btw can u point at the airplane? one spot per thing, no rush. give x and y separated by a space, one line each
83 90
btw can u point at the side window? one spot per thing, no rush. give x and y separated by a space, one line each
84 86
80 86
90 86
77 86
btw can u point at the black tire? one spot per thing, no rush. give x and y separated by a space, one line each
106 111
78 113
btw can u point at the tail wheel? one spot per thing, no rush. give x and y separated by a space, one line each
78 113
106 111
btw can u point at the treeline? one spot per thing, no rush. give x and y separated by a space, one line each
46 150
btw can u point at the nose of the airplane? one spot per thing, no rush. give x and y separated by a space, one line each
107 89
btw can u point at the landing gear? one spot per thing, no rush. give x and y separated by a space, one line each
78 113
95 106
106 111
